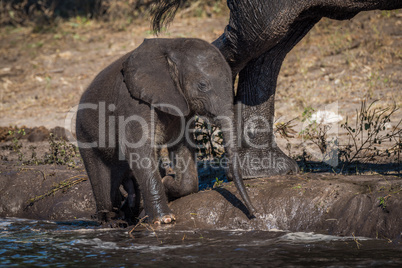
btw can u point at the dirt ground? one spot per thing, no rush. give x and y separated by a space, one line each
42 75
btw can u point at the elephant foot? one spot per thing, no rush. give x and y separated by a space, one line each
259 163
105 216
115 224
110 219
166 219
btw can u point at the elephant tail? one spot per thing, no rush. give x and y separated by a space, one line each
163 13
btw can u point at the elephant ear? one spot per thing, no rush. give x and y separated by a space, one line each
151 76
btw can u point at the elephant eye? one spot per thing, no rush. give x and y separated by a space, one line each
203 86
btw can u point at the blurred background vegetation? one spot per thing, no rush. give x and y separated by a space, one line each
40 12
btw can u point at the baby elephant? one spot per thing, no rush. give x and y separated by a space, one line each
146 99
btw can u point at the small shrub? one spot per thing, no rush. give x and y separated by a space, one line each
369 135
286 130
61 152
16 146
218 183
34 159
316 132
370 139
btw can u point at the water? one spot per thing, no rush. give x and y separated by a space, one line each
83 244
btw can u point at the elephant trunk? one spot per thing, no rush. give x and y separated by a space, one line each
229 134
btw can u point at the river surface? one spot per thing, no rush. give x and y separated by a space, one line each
29 243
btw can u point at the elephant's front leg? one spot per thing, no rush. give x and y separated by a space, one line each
255 109
252 45
144 166
259 152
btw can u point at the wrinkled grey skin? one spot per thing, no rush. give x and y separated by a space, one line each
149 89
255 42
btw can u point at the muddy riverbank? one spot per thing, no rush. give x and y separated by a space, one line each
369 205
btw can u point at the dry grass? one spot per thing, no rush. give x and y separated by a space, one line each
344 61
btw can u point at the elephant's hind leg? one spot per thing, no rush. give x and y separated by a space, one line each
185 179
100 176
132 198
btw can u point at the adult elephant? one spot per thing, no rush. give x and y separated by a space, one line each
255 42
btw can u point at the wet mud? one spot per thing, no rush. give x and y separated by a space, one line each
369 205
366 205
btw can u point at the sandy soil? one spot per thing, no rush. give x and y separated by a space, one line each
42 75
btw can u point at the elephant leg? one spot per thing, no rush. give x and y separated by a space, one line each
255 107
144 167
165 163
256 50
259 154
132 198
100 176
185 178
